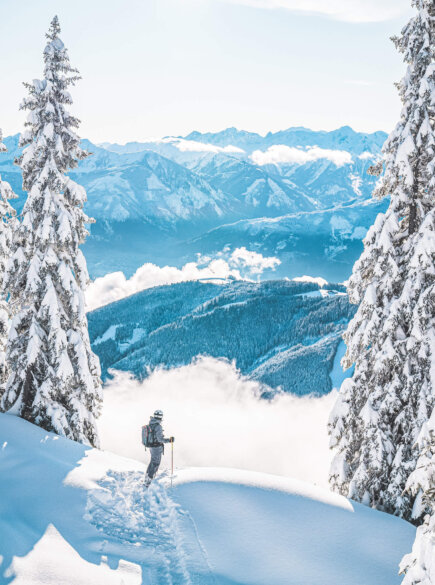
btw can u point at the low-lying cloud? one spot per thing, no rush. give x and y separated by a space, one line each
280 153
218 419
194 146
366 155
314 279
241 264
255 262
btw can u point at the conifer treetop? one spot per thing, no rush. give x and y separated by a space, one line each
54 30
409 151
50 128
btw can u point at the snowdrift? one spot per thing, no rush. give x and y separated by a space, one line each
71 515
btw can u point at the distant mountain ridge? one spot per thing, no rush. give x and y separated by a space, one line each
344 138
155 201
322 242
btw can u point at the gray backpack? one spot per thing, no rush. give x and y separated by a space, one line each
148 438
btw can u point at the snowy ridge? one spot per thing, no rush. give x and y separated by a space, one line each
88 519
264 481
324 242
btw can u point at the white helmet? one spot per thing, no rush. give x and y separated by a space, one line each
158 414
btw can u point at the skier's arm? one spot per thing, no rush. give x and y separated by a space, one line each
167 439
160 438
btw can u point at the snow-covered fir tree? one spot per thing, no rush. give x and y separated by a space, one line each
7 226
381 409
55 377
419 565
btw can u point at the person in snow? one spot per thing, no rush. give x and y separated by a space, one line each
156 446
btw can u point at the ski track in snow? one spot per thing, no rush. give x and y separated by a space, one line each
124 510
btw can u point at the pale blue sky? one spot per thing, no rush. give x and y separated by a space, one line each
156 67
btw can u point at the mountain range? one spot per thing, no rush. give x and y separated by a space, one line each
165 200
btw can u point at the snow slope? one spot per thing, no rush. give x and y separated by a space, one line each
71 515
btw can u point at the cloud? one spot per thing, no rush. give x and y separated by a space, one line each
240 264
194 146
219 420
315 279
366 155
280 153
347 10
115 286
256 262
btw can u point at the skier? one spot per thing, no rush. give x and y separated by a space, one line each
156 441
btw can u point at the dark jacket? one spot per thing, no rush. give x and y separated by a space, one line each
158 436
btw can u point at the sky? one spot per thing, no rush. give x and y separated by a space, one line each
152 68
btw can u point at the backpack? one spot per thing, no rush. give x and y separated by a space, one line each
148 439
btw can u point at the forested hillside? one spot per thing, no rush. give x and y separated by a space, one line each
282 333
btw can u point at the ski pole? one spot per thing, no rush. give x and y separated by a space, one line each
172 461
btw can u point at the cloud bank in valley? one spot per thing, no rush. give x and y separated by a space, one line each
239 264
280 153
218 419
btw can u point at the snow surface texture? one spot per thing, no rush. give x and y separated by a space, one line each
71 515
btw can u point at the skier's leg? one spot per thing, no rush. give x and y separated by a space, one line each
156 457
